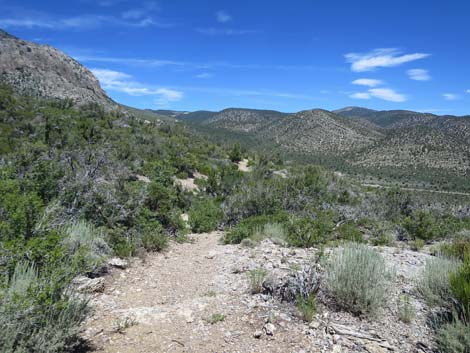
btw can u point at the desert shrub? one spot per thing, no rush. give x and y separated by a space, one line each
20 210
307 307
215 318
453 337
459 248
358 278
307 232
272 230
348 231
434 285
249 226
417 244
422 225
85 246
153 236
406 311
256 278
460 289
204 216
37 314
235 154
123 242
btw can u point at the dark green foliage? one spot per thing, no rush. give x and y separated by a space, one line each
454 337
349 232
428 226
20 210
307 232
236 153
204 216
153 236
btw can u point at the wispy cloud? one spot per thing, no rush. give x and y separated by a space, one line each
467 91
377 58
212 31
451 96
132 18
204 75
367 82
419 74
90 57
360 95
140 12
220 91
222 17
121 82
387 94
109 3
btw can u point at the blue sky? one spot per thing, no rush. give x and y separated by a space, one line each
283 55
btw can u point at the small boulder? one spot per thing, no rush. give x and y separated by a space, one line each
84 284
257 334
118 263
269 328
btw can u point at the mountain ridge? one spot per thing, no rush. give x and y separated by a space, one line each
45 72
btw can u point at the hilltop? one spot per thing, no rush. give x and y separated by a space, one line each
46 72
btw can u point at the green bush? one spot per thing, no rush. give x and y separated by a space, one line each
454 337
37 314
248 227
358 279
406 311
306 232
460 289
459 248
152 236
348 231
434 282
256 278
204 216
236 153
423 226
307 307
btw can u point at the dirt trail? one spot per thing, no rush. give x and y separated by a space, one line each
171 297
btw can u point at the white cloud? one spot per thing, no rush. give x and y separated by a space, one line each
419 74
468 91
205 75
387 94
109 77
450 96
222 17
167 96
386 57
367 82
122 82
360 95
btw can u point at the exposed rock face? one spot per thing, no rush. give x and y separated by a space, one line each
43 71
